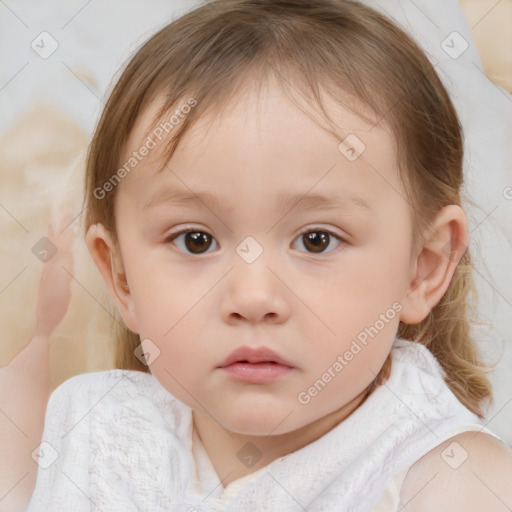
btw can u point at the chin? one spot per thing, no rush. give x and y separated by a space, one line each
256 423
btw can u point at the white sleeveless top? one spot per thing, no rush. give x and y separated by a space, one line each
119 441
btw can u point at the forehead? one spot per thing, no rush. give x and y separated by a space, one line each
262 135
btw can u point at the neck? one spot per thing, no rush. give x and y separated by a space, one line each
224 447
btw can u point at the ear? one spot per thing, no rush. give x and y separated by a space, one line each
107 257
433 268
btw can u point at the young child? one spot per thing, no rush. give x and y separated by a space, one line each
273 201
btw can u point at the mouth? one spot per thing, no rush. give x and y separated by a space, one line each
255 356
255 366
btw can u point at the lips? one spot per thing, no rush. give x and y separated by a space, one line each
251 355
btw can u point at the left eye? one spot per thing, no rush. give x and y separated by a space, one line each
316 241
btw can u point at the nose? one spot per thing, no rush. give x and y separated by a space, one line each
254 294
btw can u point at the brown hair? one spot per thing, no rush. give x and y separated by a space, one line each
352 51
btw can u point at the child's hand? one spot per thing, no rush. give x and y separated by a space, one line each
55 285
25 383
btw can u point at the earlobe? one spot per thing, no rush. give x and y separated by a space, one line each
107 257
445 244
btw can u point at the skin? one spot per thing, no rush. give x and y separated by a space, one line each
306 306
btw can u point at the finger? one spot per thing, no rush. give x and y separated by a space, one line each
67 230
65 221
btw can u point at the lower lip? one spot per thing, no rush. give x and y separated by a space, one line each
256 373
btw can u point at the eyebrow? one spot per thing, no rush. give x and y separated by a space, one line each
285 202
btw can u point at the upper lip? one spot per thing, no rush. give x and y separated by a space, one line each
254 355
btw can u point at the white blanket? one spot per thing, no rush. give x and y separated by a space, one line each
123 443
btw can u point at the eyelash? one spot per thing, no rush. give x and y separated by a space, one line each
173 236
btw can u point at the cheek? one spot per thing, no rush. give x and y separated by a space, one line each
342 369
170 310
164 308
354 295
184 352
161 294
359 309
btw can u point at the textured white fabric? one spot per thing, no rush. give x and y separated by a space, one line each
125 444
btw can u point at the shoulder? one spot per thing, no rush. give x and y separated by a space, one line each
91 381
470 472
94 403
78 392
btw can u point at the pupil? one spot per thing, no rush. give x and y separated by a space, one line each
198 241
316 240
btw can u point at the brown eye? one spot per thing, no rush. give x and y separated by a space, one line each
318 241
197 242
193 242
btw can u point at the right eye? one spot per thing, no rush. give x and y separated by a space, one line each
192 241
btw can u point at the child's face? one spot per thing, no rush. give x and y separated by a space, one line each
330 308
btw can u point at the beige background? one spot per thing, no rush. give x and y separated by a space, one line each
491 27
